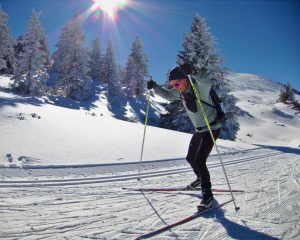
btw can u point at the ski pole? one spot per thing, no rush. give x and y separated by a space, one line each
145 126
213 139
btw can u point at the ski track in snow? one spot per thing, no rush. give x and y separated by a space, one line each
121 177
34 205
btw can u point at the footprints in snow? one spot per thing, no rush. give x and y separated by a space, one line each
22 116
20 160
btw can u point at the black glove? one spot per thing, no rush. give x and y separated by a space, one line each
151 84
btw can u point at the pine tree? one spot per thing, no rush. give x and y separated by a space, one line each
136 70
33 59
287 94
96 61
290 92
126 77
71 61
19 47
111 72
199 51
7 54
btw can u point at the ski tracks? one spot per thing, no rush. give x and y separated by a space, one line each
121 177
89 209
275 196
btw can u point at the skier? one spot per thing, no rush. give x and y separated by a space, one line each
201 143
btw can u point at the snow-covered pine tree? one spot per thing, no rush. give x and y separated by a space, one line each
7 54
136 70
176 118
126 77
200 52
19 45
33 59
44 48
287 94
71 61
111 72
96 61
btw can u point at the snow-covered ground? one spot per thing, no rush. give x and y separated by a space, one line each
264 121
62 168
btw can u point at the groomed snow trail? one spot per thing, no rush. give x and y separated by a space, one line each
92 209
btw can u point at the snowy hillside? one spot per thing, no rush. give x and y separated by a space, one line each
264 121
51 131
58 131
63 165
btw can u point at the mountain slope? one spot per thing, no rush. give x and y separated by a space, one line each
263 121
49 131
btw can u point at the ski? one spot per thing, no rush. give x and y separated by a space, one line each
179 189
182 221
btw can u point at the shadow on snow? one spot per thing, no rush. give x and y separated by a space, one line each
50 99
20 99
132 109
235 230
282 149
123 108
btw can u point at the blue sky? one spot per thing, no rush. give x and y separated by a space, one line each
255 36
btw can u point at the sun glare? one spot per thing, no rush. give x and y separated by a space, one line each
110 7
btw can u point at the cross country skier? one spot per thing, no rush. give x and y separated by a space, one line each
201 143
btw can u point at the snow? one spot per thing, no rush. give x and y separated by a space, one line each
269 122
63 166
77 137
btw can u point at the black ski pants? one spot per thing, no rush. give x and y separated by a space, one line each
199 149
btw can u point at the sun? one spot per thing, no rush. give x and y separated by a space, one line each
109 7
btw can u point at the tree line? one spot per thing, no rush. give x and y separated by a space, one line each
73 65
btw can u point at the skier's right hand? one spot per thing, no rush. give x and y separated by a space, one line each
151 84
